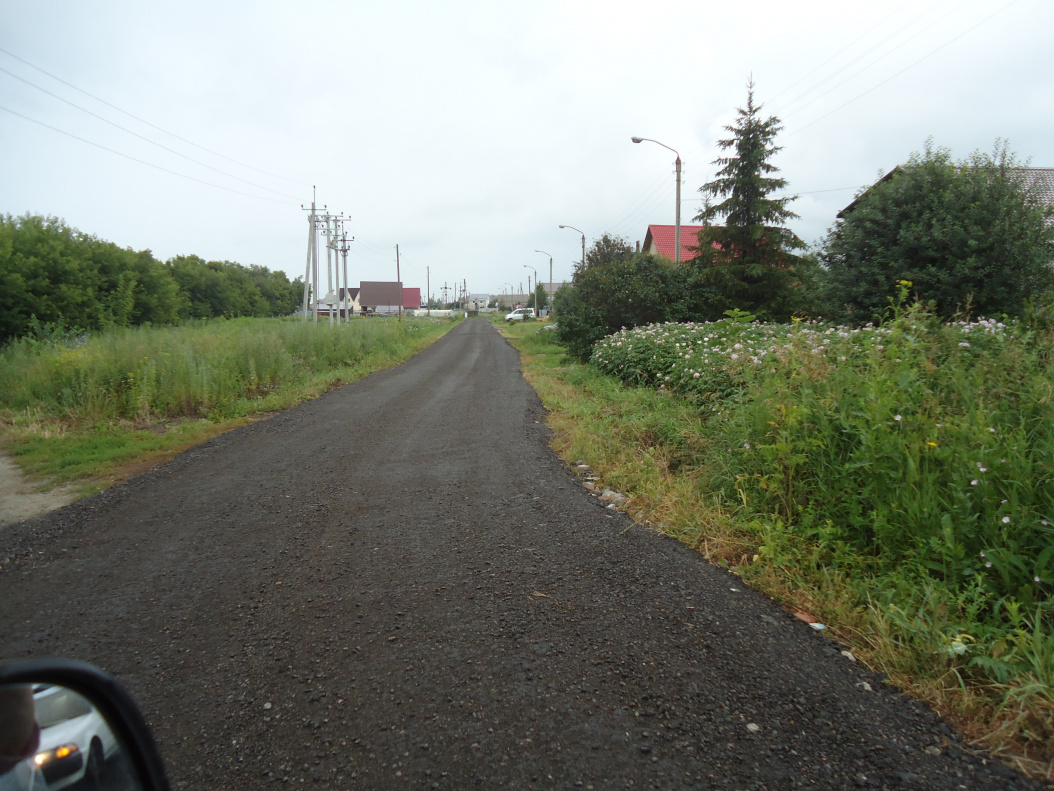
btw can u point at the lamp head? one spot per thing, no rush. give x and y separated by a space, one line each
563 226
637 139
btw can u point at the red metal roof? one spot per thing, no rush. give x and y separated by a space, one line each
665 239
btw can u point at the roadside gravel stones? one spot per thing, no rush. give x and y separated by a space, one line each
613 499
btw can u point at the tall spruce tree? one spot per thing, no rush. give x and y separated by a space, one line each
747 263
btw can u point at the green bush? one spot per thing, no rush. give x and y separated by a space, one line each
51 274
626 292
909 455
967 235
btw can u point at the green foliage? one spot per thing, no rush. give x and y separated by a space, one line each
968 235
746 262
910 455
606 250
59 276
216 289
624 292
985 663
62 276
541 297
207 369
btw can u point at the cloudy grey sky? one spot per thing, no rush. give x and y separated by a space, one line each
467 131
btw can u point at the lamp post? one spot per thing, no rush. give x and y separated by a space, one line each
677 240
550 267
583 242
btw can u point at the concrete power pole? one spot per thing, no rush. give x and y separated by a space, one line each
327 225
399 280
312 260
345 301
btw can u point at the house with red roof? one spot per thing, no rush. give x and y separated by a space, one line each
662 240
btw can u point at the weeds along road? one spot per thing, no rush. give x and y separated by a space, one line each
398 585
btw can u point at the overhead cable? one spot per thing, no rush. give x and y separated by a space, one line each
144 121
141 137
136 159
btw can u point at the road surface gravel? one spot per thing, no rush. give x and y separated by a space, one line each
399 585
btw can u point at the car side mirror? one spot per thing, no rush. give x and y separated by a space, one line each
64 722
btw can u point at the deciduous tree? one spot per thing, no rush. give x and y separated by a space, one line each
971 233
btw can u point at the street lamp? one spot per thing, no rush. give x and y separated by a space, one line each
677 240
527 266
550 265
583 242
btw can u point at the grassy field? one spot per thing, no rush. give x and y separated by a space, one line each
892 482
79 408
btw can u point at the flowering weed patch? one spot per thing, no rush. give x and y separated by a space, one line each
913 461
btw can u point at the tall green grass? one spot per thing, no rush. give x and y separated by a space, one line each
79 407
209 369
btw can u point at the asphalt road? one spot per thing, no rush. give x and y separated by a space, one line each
399 585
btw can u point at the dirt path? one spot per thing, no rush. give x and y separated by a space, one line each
18 500
398 585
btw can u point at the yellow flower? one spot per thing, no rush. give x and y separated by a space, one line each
932 444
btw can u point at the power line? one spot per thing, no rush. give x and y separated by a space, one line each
858 72
648 197
792 102
810 192
143 121
848 46
906 68
142 137
140 161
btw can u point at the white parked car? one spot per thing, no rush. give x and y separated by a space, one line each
75 741
520 314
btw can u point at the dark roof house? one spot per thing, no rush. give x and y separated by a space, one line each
1040 180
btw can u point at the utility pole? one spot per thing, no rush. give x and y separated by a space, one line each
330 232
329 267
428 289
327 225
345 300
399 278
312 258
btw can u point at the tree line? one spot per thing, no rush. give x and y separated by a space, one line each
52 274
969 238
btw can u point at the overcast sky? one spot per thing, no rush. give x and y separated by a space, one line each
467 132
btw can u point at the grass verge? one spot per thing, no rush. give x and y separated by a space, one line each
90 409
665 453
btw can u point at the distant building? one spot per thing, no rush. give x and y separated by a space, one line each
381 296
661 240
1039 180
477 301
